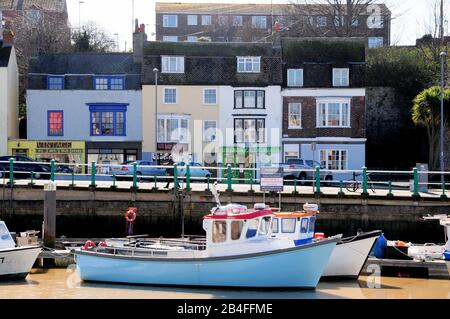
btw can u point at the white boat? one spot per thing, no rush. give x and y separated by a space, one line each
350 254
15 262
239 251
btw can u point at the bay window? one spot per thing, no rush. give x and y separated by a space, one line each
173 129
334 159
249 130
333 114
108 120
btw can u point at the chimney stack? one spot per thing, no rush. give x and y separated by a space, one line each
139 40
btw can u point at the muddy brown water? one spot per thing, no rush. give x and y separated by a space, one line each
65 283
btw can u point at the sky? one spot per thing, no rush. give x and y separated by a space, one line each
411 18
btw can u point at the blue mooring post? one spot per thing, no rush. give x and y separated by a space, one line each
93 172
11 172
52 170
318 193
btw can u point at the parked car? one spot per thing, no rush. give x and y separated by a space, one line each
59 168
23 166
303 171
143 170
196 169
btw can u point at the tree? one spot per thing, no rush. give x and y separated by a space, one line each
339 18
91 38
426 112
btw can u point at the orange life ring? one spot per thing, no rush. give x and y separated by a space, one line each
89 244
130 215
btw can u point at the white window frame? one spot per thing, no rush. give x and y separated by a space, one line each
166 38
166 21
299 114
256 25
179 65
191 17
301 77
166 118
254 60
333 101
340 83
327 151
207 20
204 96
164 95
205 139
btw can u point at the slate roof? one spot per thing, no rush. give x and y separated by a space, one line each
5 54
84 63
47 5
213 63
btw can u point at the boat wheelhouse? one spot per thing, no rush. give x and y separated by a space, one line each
239 251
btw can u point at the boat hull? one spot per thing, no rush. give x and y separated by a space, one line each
16 263
349 256
297 267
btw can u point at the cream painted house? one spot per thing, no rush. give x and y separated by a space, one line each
9 96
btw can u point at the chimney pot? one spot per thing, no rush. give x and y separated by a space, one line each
142 28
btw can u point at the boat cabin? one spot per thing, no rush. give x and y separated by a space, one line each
234 224
6 240
298 226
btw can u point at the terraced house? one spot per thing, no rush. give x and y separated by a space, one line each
324 102
214 101
92 98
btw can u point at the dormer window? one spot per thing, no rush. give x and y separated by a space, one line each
295 77
248 64
55 82
341 77
172 64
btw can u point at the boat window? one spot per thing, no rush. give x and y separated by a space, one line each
219 231
264 227
236 229
287 225
312 222
304 225
252 228
4 233
274 225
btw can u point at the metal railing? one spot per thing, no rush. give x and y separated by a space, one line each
318 181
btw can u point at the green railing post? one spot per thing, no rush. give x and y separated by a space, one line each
390 194
52 170
295 186
318 180
175 176
73 179
155 187
11 171
93 173
114 186
364 182
443 196
416 183
251 182
341 188
188 177
134 176
31 178
229 178
208 181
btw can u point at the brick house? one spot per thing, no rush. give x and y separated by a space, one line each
222 22
324 102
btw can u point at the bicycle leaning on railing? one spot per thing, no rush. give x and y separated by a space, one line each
354 185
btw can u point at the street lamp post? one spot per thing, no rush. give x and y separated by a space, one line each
443 55
79 13
156 112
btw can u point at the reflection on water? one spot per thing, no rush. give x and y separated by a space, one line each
65 283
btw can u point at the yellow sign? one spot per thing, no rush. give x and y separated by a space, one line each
39 148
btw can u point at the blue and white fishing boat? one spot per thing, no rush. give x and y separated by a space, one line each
350 254
239 251
15 262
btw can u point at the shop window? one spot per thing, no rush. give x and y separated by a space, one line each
55 123
55 82
108 120
219 231
236 229
334 159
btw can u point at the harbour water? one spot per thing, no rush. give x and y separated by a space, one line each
65 283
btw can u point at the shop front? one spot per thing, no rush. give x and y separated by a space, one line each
112 153
67 152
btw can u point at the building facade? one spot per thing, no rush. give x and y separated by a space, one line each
324 102
91 97
261 22
9 94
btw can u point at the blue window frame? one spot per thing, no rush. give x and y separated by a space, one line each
108 119
55 82
288 225
55 123
109 82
